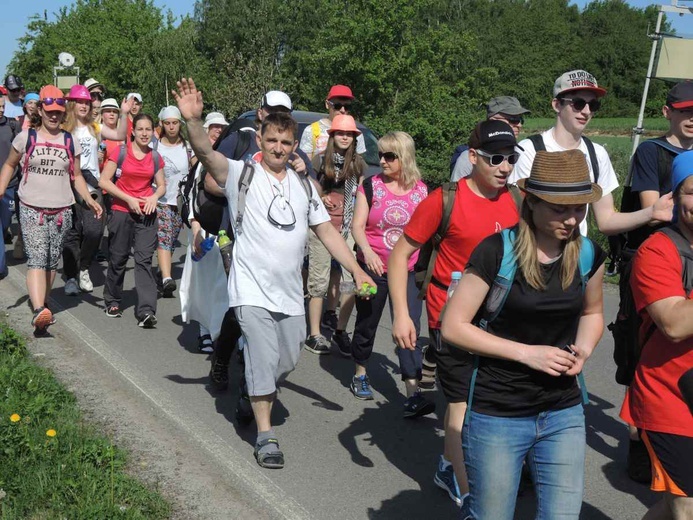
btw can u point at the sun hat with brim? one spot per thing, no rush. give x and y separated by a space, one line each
51 92
110 103
215 118
92 84
170 112
340 91
78 93
344 123
31 96
561 178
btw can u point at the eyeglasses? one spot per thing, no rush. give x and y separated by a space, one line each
97 95
388 156
579 104
515 120
280 213
339 106
58 101
497 159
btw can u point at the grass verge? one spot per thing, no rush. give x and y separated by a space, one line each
52 464
607 125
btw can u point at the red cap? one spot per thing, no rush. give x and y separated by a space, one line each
340 91
3 90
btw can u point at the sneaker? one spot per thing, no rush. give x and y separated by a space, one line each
18 251
445 480
428 370
317 345
100 256
71 287
114 312
417 406
465 512
342 341
329 320
219 375
85 282
205 344
361 388
167 287
41 320
148 321
639 466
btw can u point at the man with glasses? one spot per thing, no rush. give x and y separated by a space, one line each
13 107
97 92
576 97
502 108
314 139
265 287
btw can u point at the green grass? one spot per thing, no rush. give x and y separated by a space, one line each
608 125
76 473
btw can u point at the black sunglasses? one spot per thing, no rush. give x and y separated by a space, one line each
388 156
515 120
579 103
97 95
496 159
58 101
339 106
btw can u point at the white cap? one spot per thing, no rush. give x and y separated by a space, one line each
169 112
215 118
110 103
276 98
135 95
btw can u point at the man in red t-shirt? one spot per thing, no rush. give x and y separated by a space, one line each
654 402
483 205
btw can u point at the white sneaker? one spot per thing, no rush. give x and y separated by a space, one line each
85 282
71 287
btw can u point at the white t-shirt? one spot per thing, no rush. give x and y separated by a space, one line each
607 176
463 167
90 158
267 260
175 169
307 140
13 110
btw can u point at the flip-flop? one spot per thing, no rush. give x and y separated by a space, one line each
270 459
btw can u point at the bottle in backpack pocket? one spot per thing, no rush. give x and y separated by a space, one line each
454 282
206 245
225 247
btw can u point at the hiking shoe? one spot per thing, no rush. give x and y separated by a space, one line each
18 251
167 288
342 341
244 410
85 282
218 375
329 320
417 406
317 345
205 344
114 312
148 321
639 466
361 388
445 480
42 318
71 287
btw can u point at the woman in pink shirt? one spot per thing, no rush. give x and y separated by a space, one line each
384 205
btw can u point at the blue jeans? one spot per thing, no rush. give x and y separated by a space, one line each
554 444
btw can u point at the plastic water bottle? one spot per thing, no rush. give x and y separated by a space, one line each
454 282
206 245
225 247
347 287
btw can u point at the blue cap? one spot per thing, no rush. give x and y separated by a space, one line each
31 96
681 169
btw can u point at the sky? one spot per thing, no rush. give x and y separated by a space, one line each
14 21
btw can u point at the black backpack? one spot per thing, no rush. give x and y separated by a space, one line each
539 146
456 155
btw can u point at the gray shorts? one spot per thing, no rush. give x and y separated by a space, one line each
273 344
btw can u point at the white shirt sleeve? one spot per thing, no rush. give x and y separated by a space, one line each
306 143
607 176
360 144
523 167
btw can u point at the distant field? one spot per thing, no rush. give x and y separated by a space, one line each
609 125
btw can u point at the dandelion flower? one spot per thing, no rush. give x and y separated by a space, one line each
15 417
51 433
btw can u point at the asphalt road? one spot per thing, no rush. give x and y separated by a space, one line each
344 458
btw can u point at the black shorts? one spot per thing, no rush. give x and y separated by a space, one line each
672 460
454 367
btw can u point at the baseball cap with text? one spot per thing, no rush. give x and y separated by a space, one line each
493 136
577 80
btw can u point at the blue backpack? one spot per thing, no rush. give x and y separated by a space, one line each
456 155
501 288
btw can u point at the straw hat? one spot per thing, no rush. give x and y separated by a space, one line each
561 178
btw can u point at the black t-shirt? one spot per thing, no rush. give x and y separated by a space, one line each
550 317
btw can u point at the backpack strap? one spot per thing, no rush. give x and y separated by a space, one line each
244 181
685 252
70 147
517 196
156 159
449 190
308 188
315 133
368 190
122 153
29 149
593 157
586 262
538 142
14 126
242 144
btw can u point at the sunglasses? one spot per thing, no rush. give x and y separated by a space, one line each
519 120
97 95
579 104
388 156
280 213
58 101
496 159
339 106
14 89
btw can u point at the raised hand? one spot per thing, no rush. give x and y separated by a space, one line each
189 99
126 105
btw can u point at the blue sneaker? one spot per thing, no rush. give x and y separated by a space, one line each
361 388
465 513
445 480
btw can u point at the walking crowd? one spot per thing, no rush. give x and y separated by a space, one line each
288 234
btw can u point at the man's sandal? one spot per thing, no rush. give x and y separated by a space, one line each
271 459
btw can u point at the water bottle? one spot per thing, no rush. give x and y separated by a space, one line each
225 246
347 287
206 245
454 282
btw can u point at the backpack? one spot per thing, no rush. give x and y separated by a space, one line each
626 327
456 155
539 146
31 143
122 154
498 293
15 128
206 208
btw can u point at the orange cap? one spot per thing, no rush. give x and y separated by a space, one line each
51 92
344 123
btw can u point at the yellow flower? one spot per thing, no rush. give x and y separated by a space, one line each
51 433
15 417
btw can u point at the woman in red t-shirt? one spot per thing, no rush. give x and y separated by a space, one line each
133 221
